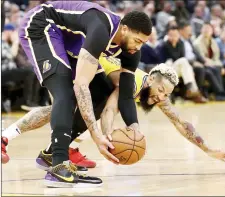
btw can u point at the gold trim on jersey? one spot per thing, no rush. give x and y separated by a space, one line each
111 64
52 48
30 43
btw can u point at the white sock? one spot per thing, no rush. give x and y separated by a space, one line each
11 132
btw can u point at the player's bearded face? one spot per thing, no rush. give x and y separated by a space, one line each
144 98
131 41
124 44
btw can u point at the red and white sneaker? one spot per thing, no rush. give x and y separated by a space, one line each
5 157
80 160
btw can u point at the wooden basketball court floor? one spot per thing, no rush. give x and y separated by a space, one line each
171 166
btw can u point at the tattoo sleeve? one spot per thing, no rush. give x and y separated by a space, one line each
107 119
84 101
86 69
109 112
184 127
34 119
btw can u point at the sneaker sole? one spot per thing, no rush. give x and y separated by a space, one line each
40 164
54 184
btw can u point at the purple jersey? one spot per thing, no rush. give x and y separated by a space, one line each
73 39
59 23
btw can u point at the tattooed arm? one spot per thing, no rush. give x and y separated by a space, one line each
86 69
109 112
34 119
187 130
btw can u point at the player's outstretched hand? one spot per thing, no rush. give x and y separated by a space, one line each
216 154
104 145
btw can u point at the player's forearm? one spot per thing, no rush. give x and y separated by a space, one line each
107 119
85 105
86 69
188 131
185 128
34 119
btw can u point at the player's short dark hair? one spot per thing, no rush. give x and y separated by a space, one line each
182 24
138 21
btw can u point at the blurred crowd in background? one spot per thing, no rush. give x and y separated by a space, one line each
188 35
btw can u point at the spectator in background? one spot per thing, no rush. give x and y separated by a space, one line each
205 9
197 21
149 9
208 48
221 43
162 19
149 57
202 72
172 53
216 25
10 71
180 12
217 12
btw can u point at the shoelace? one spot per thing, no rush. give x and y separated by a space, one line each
72 168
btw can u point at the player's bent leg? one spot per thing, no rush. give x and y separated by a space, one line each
62 113
45 48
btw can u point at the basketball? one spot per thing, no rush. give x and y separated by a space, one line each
129 145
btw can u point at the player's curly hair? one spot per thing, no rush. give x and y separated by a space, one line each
166 71
138 21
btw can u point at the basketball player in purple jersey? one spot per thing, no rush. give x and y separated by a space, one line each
94 31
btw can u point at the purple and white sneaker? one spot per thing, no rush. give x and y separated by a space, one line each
65 176
44 162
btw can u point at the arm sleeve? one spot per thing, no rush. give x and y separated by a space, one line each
126 102
130 61
97 30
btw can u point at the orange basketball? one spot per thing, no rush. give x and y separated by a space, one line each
129 145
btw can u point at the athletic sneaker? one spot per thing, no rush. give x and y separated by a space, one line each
80 160
44 162
65 175
5 157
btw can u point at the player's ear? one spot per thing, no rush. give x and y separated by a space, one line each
124 29
151 79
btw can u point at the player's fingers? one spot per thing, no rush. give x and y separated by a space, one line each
117 163
111 156
109 137
108 158
109 144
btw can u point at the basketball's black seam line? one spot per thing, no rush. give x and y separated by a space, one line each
126 134
128 144
132 148
131 138
124 151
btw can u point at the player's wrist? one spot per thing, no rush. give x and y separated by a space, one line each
95 133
